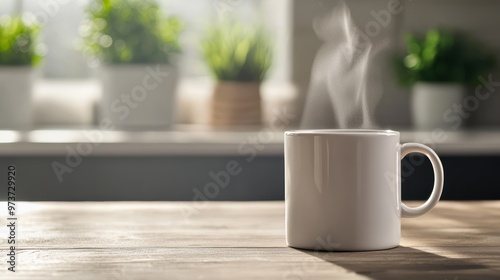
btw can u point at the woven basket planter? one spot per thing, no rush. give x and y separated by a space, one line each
236 104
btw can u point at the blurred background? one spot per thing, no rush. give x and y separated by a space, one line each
161 99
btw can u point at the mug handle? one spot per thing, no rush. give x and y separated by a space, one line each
408 148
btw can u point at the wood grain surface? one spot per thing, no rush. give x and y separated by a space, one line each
236 240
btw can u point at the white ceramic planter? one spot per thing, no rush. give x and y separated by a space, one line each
16 91
138 96
430 102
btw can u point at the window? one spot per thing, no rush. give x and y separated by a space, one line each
61 20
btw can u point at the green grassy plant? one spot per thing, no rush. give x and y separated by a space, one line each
130 31
19 42
443 56
236 52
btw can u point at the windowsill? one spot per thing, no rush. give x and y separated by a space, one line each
192 141
182 141
477 142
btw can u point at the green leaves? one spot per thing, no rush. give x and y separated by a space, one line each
235 52
443 56
19 41
130 31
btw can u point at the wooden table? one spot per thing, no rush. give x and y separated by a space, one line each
237 240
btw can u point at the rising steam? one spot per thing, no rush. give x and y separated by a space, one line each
345 84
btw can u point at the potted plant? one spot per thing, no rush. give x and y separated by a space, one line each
135 43
438 67
19 52
238 57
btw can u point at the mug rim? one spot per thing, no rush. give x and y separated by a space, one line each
318 132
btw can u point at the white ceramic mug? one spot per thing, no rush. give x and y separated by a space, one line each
343 188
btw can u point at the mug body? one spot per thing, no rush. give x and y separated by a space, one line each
342 189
